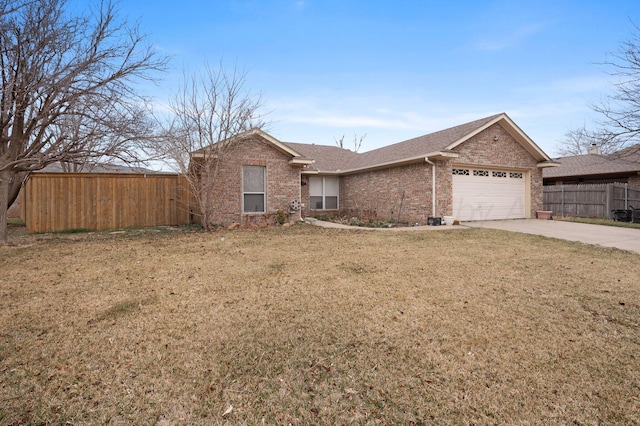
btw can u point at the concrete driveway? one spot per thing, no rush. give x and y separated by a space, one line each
607 236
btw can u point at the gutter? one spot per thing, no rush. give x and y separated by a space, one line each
433 184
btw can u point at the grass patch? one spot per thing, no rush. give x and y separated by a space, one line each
305 325
119 309
75 231
599 221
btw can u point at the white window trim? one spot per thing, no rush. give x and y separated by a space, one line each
263 193
324 194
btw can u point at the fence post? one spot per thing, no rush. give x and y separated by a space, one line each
562 200
608 203
626 196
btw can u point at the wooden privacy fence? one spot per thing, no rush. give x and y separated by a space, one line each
587 200
63 201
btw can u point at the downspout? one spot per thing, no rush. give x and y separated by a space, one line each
433 183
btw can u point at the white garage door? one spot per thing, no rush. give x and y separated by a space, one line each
484 194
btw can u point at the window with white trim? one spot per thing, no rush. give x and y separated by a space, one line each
253 189
324 192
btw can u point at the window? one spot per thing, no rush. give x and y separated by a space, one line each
515 175
461 172
499 174
323 193
253 189
483 173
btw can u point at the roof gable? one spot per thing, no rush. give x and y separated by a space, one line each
296 157
511 127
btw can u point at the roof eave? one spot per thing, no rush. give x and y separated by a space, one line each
546 164
298 161
200 154
441 155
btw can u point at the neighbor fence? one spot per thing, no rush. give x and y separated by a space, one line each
591 200
64 201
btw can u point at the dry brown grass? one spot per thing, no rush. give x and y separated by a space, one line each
314 326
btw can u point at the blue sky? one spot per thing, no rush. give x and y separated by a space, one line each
399 69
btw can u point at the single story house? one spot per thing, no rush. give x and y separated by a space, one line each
482 170
630 153
593 168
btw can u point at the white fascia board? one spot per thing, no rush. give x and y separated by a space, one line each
545 164
401 162
301 161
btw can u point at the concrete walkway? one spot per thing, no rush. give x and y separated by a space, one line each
606 236
334 225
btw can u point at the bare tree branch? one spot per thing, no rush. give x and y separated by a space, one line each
620 110
581 140
208 117
357 142
67 89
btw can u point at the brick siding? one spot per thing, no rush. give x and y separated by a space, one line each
282 184
373 194
634 180
378 194
506 152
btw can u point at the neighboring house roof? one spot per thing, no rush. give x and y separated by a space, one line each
331 159
589 165
631 153
96 168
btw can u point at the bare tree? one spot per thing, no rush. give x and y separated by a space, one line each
620 110
67 89
210 117
357 142
581 141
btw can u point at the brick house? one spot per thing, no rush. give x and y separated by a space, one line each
482 170
594 168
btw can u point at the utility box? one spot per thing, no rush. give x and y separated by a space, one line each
434 221
622 215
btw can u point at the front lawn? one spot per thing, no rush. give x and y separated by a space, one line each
305 325
599 221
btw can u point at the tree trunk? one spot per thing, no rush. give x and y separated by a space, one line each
5 179
14 186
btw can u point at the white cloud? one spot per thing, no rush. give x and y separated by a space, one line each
505 40
581 85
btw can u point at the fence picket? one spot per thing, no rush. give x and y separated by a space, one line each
590 200
61 201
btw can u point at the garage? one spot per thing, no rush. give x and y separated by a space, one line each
486 194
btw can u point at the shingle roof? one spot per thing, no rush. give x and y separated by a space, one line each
631 153
99 168
589 164
327 158
332 158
